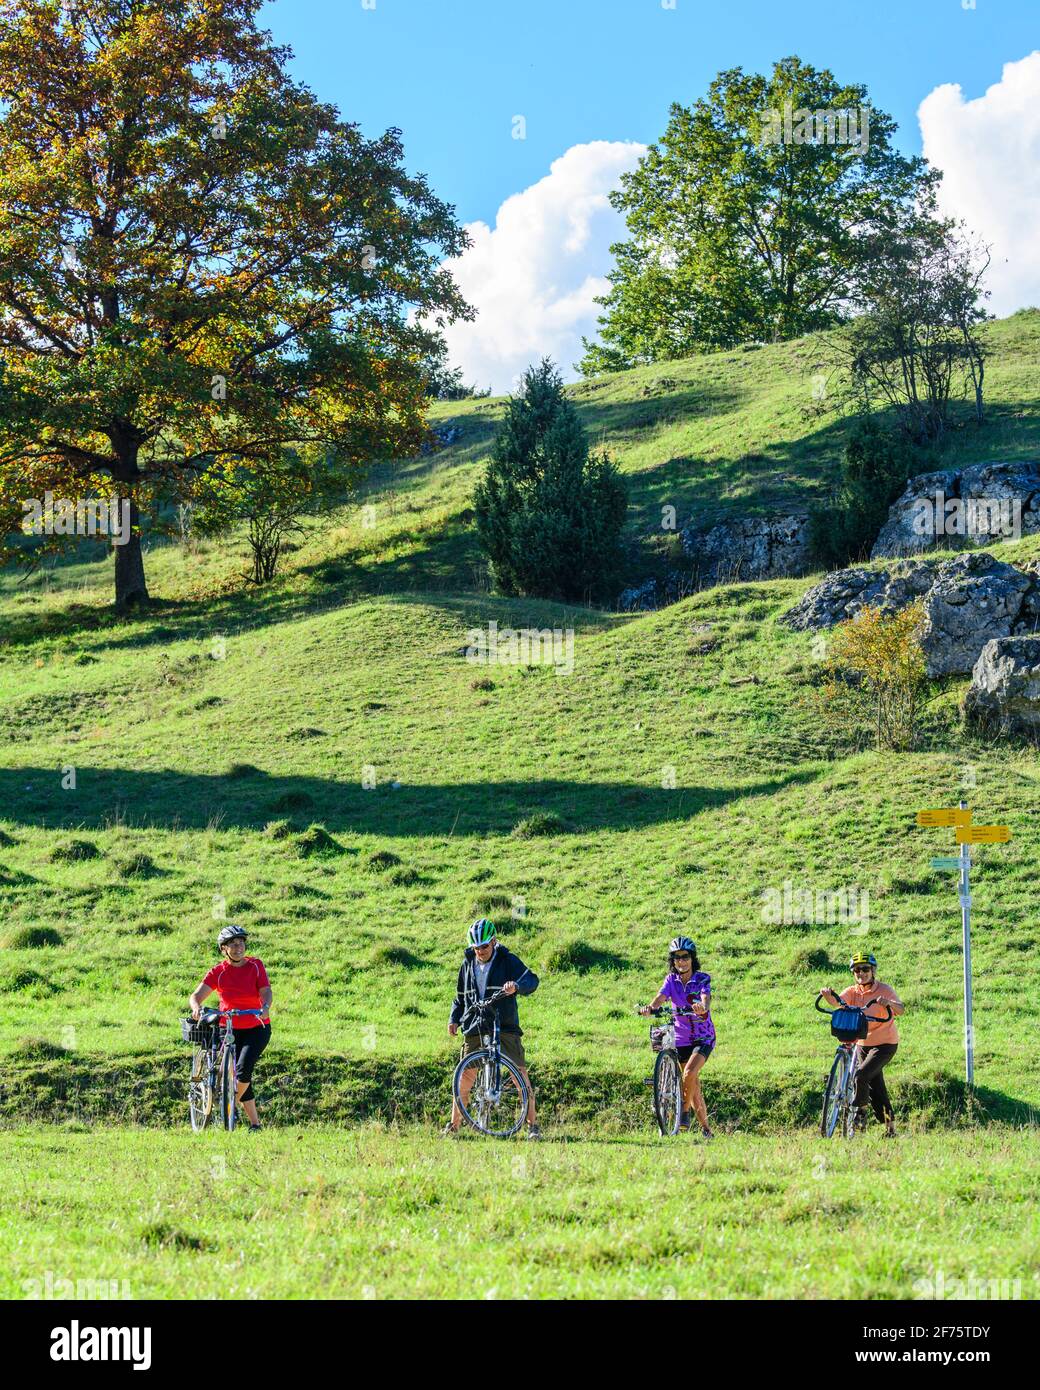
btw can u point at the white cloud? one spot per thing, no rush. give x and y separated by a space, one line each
534 276
989 152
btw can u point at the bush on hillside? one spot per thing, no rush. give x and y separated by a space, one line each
542 823
317 840
579 956
278 829
549 514
383 859
875 466
71 851
876 663
32 938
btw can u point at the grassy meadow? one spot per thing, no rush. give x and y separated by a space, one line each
376 1214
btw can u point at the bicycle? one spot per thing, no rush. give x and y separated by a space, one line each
667 1079
840 1091
497 1097
213 1069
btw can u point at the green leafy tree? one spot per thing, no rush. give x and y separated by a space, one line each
875 466
270 502
751 216
915 346
549 514
200 264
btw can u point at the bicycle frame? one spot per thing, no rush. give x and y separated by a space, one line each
222 1043
844 1100
663 1124
492 1085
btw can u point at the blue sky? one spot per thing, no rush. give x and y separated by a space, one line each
452 74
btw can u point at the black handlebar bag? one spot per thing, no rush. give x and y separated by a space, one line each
849 1024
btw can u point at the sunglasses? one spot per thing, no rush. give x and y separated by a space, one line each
862 969
682 955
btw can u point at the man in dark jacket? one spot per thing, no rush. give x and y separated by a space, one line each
488 966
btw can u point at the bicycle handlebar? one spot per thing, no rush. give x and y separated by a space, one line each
670 1008
863 1007
236 1013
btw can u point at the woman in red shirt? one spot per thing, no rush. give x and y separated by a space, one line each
241 981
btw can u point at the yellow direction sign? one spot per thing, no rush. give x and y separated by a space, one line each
982 834
944 815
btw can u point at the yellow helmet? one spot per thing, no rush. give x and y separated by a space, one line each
863 958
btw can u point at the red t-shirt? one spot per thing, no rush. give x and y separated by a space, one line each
239 987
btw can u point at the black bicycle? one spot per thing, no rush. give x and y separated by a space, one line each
489 1090
214 1073
667 1079
840 1091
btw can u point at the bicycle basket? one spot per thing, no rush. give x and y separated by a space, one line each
848 1024
662 1037
202 1034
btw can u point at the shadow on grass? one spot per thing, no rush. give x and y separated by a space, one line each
41 1083
171 800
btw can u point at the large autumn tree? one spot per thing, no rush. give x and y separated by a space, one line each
201 265
746 222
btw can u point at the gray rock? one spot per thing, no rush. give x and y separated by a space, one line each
990 500
973 600
655 593
968 601
639 598
1005 685
775 547
838 597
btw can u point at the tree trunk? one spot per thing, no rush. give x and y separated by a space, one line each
131 590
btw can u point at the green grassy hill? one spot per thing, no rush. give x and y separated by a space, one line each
676 775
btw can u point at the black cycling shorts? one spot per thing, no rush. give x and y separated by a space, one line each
685 1053
249 1043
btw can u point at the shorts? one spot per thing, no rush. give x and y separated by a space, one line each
510 1043
249 1043
685 1053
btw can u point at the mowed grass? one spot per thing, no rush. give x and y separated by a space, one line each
372 1213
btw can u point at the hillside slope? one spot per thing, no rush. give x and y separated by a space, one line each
680 771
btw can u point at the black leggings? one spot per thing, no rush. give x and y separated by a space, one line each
870 1079
249 1043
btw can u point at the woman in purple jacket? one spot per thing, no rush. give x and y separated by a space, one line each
688 987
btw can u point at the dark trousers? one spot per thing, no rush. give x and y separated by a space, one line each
870 1079
249 1043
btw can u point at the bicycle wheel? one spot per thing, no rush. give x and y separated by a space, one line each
228 1088
834 1095
493 1107
667 1092
200 1089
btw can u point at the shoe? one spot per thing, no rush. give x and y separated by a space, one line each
255 1129
684 1120
706 1132
890 1131
449 1131
534 1131
648 1081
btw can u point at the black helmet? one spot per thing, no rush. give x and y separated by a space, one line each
231 933
682 943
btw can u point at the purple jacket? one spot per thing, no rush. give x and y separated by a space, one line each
690 1030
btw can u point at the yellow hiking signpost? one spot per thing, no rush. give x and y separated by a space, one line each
959 817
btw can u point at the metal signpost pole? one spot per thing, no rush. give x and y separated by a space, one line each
965 895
